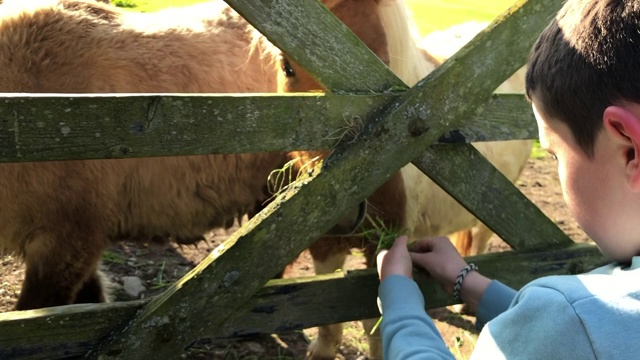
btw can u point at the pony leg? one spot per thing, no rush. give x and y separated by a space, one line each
324 347
472 241
463 241
92 290
57 272
329 337
481 235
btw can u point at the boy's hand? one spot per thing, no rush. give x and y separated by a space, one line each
396 260
439 258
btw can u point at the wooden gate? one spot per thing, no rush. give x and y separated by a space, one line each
230 292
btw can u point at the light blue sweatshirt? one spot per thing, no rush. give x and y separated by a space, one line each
589 316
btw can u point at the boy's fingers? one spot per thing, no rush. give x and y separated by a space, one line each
420 246
428 245
423 258
420 259
423 245
400 241
381 256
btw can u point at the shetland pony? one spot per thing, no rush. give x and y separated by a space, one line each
59 216
409 200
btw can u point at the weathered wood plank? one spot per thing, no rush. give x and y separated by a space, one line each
499 205
285 305
282 305
60 332
85 127
54 127
491 196
501 117
494 213
389 141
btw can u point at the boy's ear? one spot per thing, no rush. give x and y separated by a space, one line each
624 126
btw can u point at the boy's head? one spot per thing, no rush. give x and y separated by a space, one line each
583 79
587 59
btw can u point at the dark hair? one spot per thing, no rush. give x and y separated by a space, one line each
587 59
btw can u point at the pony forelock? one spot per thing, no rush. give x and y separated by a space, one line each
261 46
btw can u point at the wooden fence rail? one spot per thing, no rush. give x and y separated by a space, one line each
77 127
281 305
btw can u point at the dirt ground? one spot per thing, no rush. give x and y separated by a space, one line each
158 267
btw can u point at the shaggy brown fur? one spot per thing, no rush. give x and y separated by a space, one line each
66 213
61 215
99 48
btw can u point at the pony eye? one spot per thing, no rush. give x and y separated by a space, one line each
286 67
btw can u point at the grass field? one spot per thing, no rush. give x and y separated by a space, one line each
430 15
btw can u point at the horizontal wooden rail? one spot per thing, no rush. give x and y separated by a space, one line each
68 127
282 305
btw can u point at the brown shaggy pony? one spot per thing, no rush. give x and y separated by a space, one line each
59 216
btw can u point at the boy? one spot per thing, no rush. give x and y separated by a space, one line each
583 81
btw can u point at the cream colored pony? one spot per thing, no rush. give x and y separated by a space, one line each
408 200
436 48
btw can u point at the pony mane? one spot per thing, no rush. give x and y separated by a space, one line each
407 60
262 47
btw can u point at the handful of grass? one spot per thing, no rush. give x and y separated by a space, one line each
381 234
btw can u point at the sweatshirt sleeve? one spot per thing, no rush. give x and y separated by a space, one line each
407 331
540 324
495 300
